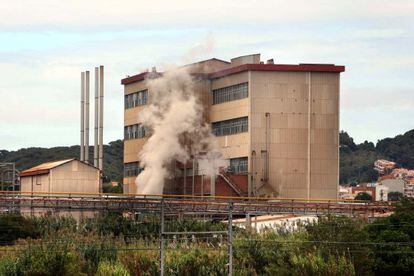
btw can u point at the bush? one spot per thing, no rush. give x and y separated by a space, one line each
50 224
342 236
363 196
8 266
140 262
394 236
111 269
315 264
196 261
55 259
15 226
96 251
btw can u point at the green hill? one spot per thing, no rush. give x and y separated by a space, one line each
28 157
356 160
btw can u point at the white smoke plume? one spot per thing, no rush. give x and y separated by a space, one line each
174 112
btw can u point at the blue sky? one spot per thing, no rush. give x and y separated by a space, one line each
45 44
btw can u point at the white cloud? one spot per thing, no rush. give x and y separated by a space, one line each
146 14
39 87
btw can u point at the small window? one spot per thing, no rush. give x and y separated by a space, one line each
239 165
132 169
38 180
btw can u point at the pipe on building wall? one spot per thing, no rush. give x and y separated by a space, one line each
87 86
252 186
309 136
101 111
95 136
202 184
185 177
266 169
212 185
82 119
193 180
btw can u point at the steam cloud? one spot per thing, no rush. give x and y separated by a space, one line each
174 117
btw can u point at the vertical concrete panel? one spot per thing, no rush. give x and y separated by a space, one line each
285 96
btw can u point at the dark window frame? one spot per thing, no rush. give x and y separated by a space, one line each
230 127
136 131
132 169
230 93
239 165
136 99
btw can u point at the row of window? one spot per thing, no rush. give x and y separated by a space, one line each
230 93
221 95
238 165
230 127
132 169
136 99
134 132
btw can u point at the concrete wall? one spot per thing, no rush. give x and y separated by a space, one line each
129 185
302 135
236 145
394 185
35 183
73 177
134 146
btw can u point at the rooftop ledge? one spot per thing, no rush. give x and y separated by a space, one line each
302 67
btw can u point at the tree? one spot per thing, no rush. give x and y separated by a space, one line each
340 237
399 149
363 196
392 239
15 226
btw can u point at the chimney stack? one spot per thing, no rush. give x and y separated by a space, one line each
82 119
95 148
87 86
101 110
98 122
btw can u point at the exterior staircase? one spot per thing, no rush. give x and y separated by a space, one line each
233 186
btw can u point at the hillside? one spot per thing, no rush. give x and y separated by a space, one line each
356 160
29 157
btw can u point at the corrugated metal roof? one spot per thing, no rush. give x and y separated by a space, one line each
44 167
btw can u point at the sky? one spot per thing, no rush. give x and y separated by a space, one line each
45 44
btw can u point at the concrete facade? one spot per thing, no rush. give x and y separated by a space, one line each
293 125
66 176
394 185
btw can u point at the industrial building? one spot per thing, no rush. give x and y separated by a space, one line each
65 176
276 124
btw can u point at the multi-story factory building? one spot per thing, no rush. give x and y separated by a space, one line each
277 125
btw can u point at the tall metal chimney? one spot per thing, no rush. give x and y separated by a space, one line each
82 119
87 86
101 111
95 148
